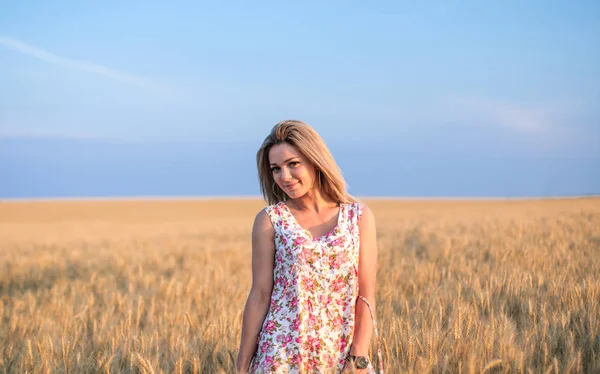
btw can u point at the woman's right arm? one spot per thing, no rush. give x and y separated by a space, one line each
257 305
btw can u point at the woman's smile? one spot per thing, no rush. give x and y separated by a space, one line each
290 186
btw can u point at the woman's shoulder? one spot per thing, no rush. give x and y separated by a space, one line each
263 224
366 218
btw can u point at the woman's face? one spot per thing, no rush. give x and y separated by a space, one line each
291 171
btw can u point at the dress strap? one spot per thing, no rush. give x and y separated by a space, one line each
376 334
275 214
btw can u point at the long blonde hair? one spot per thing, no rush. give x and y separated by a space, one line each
310 144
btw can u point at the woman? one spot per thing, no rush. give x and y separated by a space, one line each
314 261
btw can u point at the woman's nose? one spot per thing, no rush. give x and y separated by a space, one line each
286 174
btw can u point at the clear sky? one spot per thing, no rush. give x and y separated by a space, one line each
419 98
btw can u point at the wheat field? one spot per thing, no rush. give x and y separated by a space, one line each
159 286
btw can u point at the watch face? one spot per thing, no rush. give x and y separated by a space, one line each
361 362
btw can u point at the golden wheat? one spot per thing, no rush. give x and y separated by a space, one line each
159 286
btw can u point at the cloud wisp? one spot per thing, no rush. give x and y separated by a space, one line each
90 67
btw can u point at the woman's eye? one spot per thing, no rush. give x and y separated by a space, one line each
275 169
294 163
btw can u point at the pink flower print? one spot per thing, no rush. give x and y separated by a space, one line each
275 307
289 351
269 361
311 364
275 365
270 326
299 240
290 294
284 339
296 359
330 361
338 285
313 343
279 281
309 284
343 344
338 241
312 320
321 298
296 323
338 321
338 261
265 346
306 255
294 302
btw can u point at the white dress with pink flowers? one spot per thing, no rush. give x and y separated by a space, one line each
310 322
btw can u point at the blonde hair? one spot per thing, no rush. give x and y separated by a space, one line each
310 144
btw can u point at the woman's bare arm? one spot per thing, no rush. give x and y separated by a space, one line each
367 274
257 305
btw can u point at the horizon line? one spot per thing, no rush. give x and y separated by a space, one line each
259 197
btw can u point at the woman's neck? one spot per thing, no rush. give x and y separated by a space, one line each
313 200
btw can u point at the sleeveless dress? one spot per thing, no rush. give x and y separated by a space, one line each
310 323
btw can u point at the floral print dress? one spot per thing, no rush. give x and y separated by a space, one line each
310 323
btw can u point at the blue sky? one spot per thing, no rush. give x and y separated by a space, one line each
421 98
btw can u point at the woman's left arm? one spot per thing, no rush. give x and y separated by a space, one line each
367 274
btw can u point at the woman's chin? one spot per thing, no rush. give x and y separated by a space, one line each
294 194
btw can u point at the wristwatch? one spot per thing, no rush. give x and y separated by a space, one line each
360 362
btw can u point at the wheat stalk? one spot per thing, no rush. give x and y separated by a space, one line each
142 364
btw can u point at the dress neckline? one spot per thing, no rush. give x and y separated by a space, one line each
307 232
